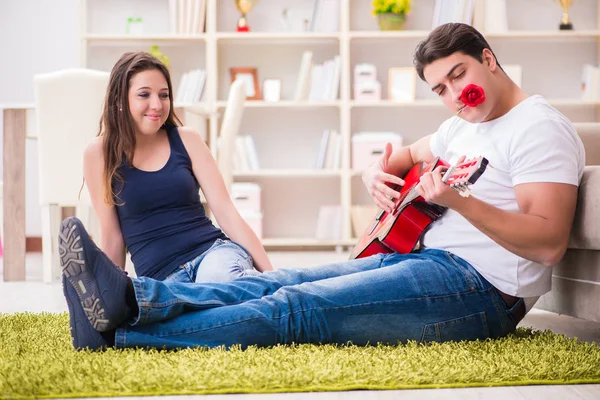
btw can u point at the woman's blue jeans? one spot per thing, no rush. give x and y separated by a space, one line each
224 261
431 295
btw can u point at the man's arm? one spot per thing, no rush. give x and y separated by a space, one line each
538 232
390 167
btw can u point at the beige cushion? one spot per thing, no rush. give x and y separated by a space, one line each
586 227
589 132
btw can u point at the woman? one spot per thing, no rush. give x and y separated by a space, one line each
144 172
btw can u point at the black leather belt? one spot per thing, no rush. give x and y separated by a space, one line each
519 312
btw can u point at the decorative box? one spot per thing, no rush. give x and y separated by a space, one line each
367 147
246 196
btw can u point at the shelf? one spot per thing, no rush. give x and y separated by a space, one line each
276 37
438 103
123 39
546 34
288 173
284 104
308 242
422 34
301 37
17 106
572 102
388 34
391 103
198 108
277 54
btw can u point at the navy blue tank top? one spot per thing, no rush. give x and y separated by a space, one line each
162 220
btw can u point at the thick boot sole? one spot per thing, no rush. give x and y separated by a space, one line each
80 275
83 335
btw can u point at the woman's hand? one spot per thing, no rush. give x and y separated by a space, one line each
378 181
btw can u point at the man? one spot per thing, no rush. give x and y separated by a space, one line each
483 265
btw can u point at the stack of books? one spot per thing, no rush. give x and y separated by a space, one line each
187 17
318 82
246 157
329 155
190 87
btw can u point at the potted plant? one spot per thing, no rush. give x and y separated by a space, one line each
391 14
155 51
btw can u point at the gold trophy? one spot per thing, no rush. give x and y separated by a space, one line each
244 6
565 23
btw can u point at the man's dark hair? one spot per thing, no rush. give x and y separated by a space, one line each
447 39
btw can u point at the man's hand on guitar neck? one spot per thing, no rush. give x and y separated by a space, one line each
433 189
379 182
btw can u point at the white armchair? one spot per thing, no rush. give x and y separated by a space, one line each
1 219
68 109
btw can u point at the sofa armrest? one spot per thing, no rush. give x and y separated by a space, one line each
585 233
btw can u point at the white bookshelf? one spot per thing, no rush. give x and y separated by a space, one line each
285 104
95 39
287 133
289 173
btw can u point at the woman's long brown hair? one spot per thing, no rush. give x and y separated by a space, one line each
116 125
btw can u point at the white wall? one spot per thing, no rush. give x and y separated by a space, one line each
36 36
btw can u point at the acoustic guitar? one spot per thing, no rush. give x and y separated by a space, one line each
400 230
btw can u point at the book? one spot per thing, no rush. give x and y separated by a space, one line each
187 17
326 16
198 16
252 154
495 20
329 222
173 16
325 80
246 157
452 11
322 151
333 151
191 87
181 9
302 84
241 159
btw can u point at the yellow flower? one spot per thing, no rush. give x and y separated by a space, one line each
391 6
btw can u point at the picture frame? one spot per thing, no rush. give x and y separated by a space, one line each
402 84
250 76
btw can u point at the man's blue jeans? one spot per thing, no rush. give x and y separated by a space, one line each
430 295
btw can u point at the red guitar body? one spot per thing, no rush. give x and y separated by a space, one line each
401 230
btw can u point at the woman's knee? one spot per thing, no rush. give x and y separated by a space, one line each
225 264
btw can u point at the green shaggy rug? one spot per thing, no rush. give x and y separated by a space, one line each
37 361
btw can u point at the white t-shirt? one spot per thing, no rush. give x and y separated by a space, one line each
533 142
